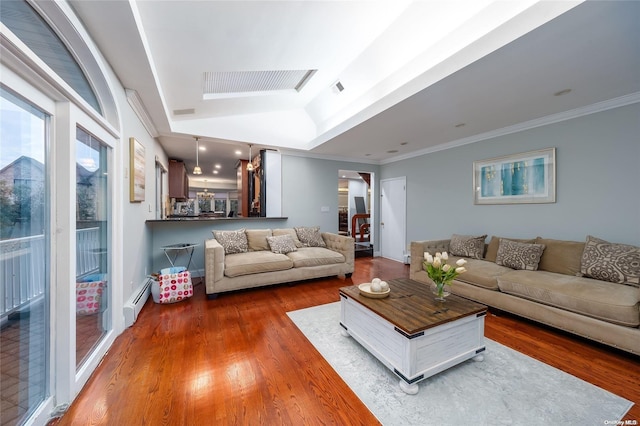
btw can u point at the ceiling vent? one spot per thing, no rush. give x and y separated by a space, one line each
249 83
188 111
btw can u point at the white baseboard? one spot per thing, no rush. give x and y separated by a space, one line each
135 303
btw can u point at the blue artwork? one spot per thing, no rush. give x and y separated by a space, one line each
522 178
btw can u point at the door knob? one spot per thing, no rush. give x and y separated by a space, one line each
381 223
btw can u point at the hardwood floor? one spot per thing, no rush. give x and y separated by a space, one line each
240 360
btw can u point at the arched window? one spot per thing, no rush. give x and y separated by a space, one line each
29 27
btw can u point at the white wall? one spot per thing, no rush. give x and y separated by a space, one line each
137 239
310 184
598 173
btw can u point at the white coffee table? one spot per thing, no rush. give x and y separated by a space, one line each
411 333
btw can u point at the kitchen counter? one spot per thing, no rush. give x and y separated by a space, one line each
212 219
196 230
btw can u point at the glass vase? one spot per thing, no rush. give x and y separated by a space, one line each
440 290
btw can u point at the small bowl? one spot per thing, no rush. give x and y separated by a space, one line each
365 290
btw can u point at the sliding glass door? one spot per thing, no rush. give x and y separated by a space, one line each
24 258
93 229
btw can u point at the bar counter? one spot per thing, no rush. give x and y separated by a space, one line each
212 218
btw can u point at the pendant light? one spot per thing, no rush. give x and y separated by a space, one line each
197 170
250 163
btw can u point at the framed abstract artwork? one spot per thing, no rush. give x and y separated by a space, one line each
524 178
136 178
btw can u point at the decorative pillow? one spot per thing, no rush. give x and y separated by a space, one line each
232 241
282 244
288 231
492 248
257 239
616 263
515 255
310 236
561 256
467 246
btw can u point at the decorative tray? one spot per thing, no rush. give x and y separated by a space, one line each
365 290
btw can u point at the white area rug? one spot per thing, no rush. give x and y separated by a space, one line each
507 388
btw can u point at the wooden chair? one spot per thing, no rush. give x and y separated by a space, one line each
363 228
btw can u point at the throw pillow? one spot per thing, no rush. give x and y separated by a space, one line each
310 236
257 239
616 263
282 244
232 241
467 246
563 257
492 248
515 255
288 231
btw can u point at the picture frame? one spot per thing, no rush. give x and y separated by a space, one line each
137 168
525 178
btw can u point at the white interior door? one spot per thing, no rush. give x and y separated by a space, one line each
393 218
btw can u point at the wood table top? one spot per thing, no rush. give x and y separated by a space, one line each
411 306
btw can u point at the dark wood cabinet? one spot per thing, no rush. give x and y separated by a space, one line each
178 180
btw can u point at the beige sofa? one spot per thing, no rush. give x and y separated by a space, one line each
557 293
259 265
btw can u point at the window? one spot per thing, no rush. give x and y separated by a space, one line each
29 27
220 205
73 189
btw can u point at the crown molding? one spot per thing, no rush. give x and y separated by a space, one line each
141 112
621 101
308 154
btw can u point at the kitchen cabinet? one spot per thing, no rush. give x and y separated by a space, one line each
178 180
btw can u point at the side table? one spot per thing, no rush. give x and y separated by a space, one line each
177 249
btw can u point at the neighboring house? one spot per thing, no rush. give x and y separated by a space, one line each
21 194
22 185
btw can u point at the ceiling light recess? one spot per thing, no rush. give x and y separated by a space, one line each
218 85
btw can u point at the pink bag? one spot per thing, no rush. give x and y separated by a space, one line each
171 288
88 296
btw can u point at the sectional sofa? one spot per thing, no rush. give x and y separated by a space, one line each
258 257
587 288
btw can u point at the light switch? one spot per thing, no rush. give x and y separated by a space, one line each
324 209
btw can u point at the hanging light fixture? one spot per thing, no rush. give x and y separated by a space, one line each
197 170
250 163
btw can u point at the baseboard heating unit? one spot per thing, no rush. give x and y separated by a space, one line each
135 303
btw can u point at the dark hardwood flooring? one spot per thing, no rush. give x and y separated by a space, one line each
239 360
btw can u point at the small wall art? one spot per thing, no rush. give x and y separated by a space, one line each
529 177
136 178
